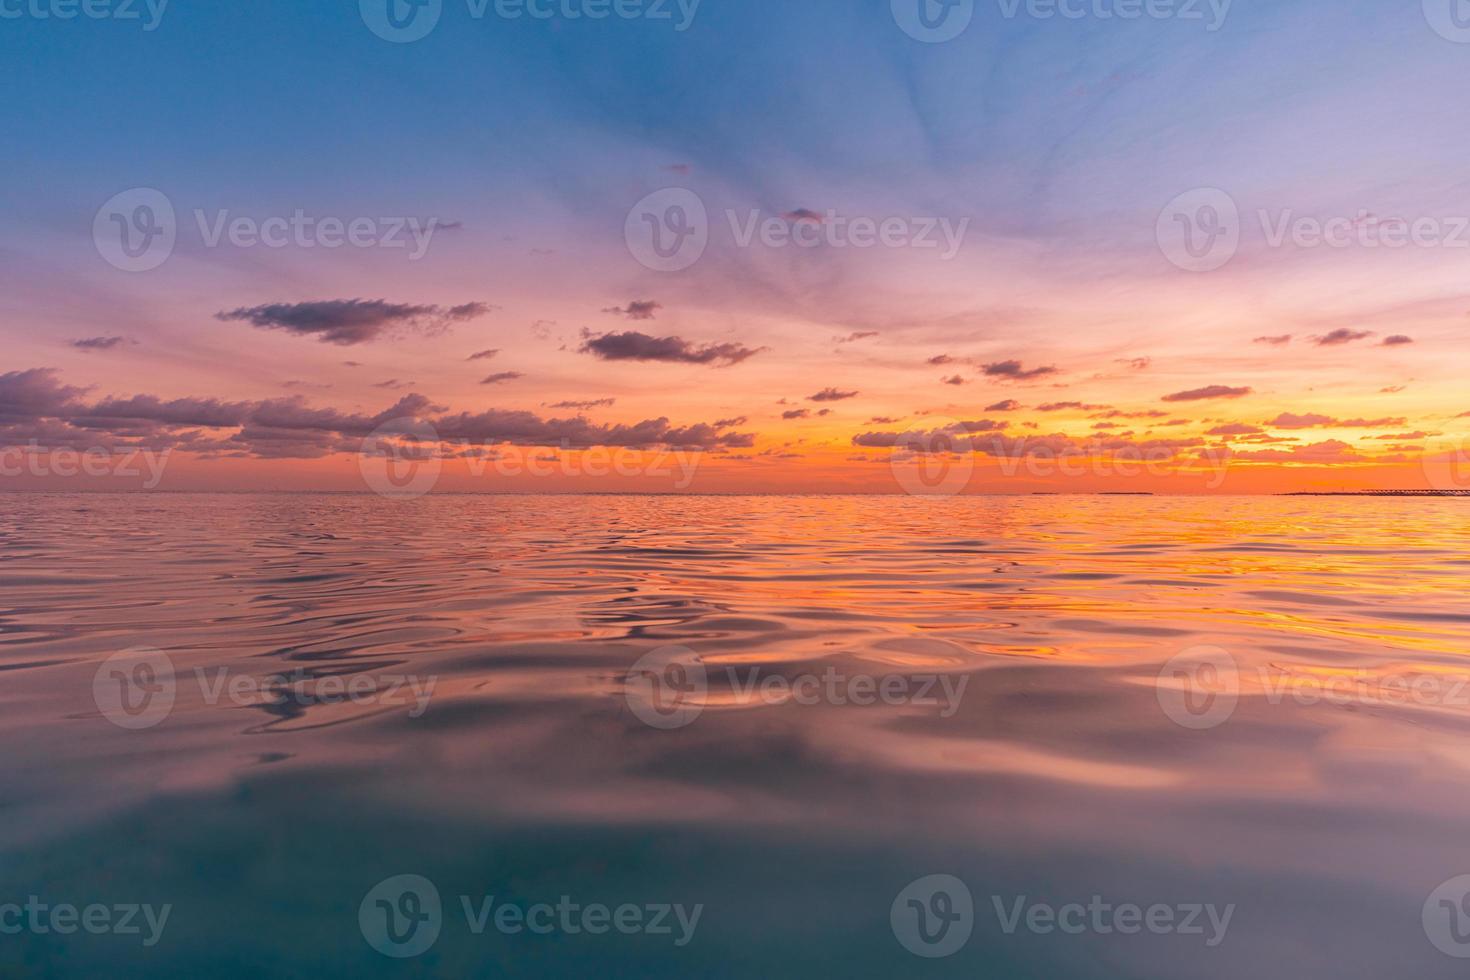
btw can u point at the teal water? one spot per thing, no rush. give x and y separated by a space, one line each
255 710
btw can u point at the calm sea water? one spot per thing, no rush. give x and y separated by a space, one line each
784 715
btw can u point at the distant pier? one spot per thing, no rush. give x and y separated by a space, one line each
1381 493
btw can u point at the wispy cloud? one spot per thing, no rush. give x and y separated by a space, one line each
832 395
101 343
639 309
1203 394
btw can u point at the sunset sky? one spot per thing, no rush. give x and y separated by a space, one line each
1032 294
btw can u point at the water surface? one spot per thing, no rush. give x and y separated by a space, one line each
1319 804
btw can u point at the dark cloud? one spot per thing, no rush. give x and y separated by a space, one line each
483 355
953 379
1279 341
499 426
1070 407
101 343
1235 429
1287 420
502 377
352 321
1015 371
803 214
1397 340
35 405
1332 451
972 437
36 393
1202 394
1009 405
832 395
634 346
1340 336
645 309
731 423
853 338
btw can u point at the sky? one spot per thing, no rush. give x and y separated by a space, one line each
734 245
